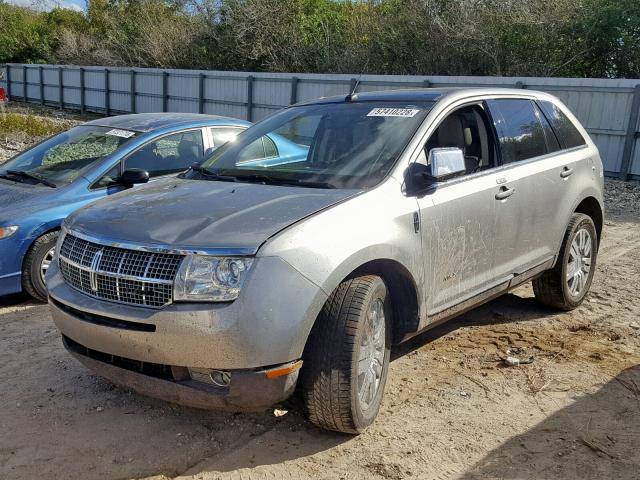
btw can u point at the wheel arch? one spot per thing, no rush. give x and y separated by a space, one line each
37 233
403 291
591 207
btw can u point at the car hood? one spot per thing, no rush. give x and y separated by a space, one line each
20 199
200 215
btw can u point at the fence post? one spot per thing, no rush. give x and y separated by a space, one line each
165 86
41 80
8 69
132 90
250 80
294 90
520 84
201 93
631 137
60 88
24 83
426 83
82 93
107 98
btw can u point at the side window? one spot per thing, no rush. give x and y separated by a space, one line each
520 132
552 141
169 154
252 152
109 179
567 133
468 129
270 149
222 135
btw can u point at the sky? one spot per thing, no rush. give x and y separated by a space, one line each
50 4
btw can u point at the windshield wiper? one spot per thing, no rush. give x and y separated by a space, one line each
205 172
37 178
266 179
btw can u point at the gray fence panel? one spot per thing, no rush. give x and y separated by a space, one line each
604 106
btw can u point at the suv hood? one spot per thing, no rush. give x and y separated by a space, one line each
199 214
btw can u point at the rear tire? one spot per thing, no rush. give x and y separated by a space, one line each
347 356
35 264
566 285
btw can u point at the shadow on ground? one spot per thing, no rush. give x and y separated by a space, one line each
596 437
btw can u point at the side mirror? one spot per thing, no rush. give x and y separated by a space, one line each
134 176
209 151
446 163
443 164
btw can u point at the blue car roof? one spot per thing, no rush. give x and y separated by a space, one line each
147 122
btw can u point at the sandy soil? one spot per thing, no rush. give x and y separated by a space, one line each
452 409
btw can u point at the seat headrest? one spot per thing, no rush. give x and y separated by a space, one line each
189 148
451 133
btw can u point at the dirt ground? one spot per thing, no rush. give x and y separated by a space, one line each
452 409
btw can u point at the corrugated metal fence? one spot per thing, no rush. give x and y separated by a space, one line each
609 109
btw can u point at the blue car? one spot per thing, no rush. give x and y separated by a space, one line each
41 186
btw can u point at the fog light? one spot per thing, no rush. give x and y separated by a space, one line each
220 379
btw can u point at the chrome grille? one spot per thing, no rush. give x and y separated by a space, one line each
117 274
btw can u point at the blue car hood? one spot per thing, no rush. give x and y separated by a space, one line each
199 214
18 200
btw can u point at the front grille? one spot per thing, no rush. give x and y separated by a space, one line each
117 274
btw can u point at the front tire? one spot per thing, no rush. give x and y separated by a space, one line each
35 265
566 285
347 356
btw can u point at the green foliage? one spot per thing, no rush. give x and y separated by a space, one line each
598 38
12 123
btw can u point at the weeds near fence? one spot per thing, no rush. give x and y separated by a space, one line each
13 123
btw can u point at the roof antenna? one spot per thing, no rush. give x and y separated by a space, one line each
353 96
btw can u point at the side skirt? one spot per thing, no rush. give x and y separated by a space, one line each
449 313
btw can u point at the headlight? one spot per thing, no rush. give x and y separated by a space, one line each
6 232
210 279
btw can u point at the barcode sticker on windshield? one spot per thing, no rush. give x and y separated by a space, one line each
116 132
393 112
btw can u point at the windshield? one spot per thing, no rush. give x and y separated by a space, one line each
343 145
62 158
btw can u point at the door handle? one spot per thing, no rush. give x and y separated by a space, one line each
504 193
566 172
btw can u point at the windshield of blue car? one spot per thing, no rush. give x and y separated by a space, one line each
64 157
332 145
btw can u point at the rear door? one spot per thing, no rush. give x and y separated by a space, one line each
569 169
527 192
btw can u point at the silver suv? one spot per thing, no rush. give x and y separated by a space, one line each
305 248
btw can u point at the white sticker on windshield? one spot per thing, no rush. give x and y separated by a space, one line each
393 112
116 132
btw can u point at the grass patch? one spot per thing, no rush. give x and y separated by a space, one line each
12 123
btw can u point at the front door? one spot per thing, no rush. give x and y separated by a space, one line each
457 219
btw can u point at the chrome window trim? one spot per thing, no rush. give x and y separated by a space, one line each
161 248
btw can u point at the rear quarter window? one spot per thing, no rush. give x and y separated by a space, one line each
568 135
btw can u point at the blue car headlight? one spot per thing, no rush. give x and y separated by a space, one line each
6 232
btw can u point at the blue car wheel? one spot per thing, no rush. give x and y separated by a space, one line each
36 263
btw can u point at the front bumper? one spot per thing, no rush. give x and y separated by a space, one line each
267 325
250 390
12 252
10 283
